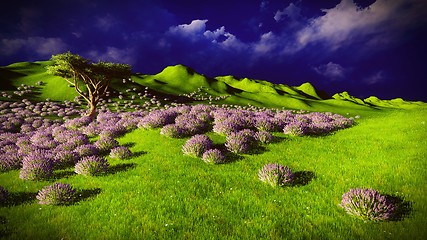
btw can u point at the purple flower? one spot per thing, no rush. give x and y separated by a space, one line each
276 174
158 118
86 150
57 194
65 158
91 166
297 128
37 165
197 145
213 156
121 153
10 161
172 130
78 122
264 137
239 142
367 204
105 144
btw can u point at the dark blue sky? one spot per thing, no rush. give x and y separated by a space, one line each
364 47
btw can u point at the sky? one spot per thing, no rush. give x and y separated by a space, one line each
365 47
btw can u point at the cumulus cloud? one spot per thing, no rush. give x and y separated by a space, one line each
40 45
347 22
266 44
292 11
332 71
192 31
113 54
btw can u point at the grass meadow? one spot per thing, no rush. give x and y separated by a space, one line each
160 193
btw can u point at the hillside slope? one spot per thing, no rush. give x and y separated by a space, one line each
181 81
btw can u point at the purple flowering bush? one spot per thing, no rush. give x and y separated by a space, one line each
86 150
367 204
37 165
57 194
240 142
276 174
91 166
65 158
4 194
264 137
105 144
172 130
197 145
213 156
121 152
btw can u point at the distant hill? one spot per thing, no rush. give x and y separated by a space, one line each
180 80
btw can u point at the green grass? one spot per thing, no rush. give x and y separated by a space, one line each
162 194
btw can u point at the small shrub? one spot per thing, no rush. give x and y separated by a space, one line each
37 165
367 204
120 153
57 194
172 130
65 158
91 166
264 137
239 142
276 174
86 150
213 156
197 145
4 194
105 144
297 128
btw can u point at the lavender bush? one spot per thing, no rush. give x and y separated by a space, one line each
197 145
57 194
239 142
172 130
86 150
37 165
264 137
121 153
276 174
213 156
105 144
367 204
91 166
65 158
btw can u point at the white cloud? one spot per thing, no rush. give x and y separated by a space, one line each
347 22
292 12
215 34
113 54
193 30
332 71
40 45
267 43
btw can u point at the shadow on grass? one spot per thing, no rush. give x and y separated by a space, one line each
19 198
139 153
122 167
403 208
302 178
62 174
129 144
83 195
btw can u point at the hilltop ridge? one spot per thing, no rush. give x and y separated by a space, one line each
180 80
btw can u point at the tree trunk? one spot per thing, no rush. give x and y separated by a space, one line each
92 110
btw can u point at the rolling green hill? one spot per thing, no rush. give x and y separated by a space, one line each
180 80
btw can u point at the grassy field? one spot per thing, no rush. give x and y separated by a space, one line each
162 194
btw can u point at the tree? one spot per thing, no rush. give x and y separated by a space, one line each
96 77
